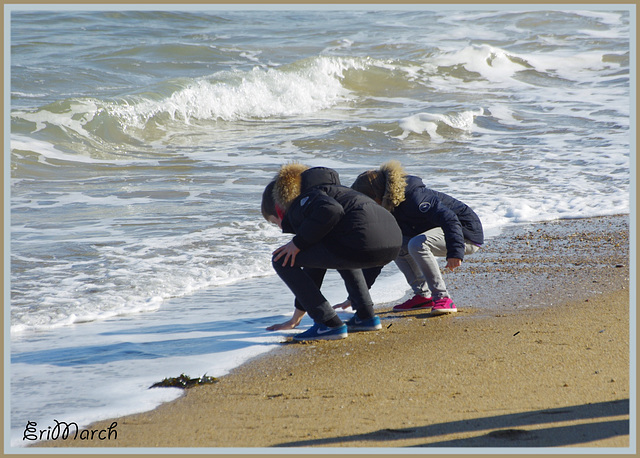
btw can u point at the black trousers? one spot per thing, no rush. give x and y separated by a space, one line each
305 278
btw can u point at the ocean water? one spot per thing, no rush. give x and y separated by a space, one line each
141 140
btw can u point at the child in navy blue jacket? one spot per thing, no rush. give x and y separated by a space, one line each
335 227
432 223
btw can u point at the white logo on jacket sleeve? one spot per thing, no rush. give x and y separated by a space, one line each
304 201
424 207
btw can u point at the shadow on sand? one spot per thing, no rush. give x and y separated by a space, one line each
506 430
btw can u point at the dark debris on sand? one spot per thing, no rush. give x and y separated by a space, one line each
184 381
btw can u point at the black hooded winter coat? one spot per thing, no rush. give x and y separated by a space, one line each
347 222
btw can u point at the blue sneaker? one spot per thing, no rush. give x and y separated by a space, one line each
356 324
322 332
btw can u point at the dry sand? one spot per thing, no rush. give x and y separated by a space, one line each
537 356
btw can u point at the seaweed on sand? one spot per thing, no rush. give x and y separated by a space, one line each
184 381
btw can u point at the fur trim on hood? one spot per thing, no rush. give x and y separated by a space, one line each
288 184
395 184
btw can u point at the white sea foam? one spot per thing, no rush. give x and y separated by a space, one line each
48 151
613 19
136 277
429 123
260 93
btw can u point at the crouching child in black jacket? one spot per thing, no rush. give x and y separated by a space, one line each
335 227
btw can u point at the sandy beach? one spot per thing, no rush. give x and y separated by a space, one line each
537 356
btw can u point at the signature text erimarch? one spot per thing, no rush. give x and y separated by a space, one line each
62 431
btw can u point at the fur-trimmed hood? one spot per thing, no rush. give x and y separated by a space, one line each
395 184
288 184
294 179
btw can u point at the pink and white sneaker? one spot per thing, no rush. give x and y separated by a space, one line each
416 302
443 306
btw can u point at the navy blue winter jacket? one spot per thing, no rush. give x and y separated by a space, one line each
424 209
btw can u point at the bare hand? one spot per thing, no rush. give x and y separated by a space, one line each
452 263
289 251
282 326
289 324
345 305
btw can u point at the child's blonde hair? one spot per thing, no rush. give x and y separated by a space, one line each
386 185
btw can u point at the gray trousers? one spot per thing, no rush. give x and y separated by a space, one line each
417 261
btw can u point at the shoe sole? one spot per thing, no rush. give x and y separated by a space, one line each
364 329
333 337
419 307
443 311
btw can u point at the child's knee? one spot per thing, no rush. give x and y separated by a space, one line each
417 245
413 246
471 248
277 265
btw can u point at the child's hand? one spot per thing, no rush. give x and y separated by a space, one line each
290 250
345 305
282 326
452 263
289 324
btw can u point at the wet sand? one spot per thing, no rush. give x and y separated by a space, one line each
537 356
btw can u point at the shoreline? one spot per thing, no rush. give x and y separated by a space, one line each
526 362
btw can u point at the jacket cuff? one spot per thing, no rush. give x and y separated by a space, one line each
300 242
